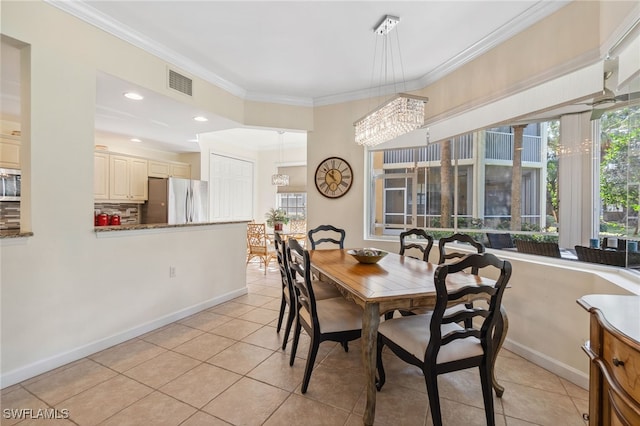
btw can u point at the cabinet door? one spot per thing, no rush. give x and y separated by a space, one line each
100 176
158 169
138 176
180 170
9 153
118 177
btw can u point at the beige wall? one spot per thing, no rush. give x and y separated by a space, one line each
62 288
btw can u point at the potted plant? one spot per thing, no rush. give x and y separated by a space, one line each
276 218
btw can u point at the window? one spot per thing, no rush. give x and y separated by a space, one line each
466 184
295 204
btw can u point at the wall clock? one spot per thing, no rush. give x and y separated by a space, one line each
333 177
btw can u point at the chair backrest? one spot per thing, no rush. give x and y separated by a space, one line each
460 238
442 333
538 247
326 234
406 243
601 256
281 257
500 241
298 226
257 237
300 265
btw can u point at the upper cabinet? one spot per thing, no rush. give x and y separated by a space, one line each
127 178
101 176
123 178
9 152
165 169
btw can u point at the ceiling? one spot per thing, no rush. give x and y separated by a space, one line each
292 52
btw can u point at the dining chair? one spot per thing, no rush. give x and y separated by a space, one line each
540 248
258 244
298 230
288 294
326 234
335 319
408 243
437 343
601 256
323 290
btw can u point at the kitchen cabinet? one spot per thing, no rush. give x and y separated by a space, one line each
614 351
9 152
101 176
127 178
165 169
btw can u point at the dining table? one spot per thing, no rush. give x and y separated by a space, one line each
394 282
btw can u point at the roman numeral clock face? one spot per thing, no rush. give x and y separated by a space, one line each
334 177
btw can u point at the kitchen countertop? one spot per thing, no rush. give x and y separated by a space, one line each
14 233
159 226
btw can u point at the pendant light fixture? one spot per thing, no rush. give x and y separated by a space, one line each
279 179
399 115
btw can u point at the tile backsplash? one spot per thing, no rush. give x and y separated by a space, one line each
129 213
9 215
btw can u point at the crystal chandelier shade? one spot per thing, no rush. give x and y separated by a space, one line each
402 114
279 180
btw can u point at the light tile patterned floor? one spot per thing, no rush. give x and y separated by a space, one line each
224 366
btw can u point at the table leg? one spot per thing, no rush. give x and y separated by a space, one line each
498 339
370 322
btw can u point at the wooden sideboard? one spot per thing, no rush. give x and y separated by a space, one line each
614 351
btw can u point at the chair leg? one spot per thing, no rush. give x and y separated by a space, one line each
487 393
283 303
296 338
345 345
287 329
468 323
434 397
381 375
311 359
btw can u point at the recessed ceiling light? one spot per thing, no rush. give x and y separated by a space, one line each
200 118
134 96
135 140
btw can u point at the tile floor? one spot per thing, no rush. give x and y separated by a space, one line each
224 366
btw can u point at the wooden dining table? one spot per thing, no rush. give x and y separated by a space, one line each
395 282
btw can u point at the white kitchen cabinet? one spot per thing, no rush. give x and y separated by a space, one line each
127 178
9 152
165 169
101 176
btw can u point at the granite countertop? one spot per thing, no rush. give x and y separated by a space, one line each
159 226
14 233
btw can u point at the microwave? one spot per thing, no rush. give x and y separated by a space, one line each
10 185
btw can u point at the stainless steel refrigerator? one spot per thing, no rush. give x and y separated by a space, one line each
176 201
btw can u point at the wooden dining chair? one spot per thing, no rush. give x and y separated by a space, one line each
335 319
437 343
409 241
326 234
258 244
323 290
298 230
288 293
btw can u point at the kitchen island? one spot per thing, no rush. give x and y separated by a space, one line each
140 226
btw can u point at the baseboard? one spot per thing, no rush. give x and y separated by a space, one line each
558 368
44 365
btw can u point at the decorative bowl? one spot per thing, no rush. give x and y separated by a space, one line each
367 255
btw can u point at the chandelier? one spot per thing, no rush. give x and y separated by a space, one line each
279 179
401 114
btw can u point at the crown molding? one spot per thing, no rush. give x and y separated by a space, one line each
83 11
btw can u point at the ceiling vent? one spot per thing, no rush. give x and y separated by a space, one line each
180 83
